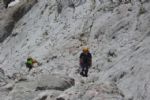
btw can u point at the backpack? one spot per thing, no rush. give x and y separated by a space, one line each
86 58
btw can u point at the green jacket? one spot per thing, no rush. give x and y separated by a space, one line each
29 62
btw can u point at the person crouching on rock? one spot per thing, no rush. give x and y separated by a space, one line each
30 62
85 62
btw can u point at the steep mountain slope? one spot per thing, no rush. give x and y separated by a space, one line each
54 32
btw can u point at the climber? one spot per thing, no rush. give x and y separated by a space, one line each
30 62
85 62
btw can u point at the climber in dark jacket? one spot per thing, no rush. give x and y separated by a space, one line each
85 62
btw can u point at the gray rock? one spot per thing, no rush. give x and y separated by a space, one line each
47 82
11 16
48 95
3 78
28 90
60 98
6 2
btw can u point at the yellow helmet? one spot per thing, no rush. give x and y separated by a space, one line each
85 49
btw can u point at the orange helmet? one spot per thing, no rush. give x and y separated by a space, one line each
85 49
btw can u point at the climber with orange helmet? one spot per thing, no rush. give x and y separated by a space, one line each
85 61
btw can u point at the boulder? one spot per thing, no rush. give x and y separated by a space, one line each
36 89
55 82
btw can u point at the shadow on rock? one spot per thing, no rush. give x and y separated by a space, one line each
11 16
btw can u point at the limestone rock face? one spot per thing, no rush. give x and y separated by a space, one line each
39 88
9 17
3 78
6 2
54 32
48 82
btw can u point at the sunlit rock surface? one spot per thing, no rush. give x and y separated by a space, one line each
54 32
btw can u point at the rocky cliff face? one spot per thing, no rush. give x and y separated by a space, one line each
54 32
11 15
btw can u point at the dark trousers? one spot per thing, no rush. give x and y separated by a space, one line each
84 70
29 66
